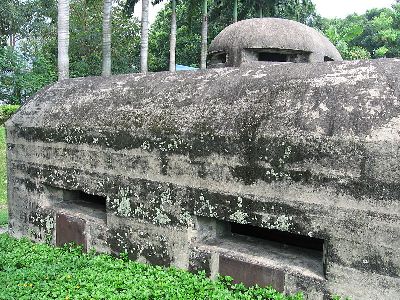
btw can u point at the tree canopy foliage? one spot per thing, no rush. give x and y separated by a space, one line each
220 15
32 63
375 34
28 33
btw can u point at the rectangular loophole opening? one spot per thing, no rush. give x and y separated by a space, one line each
81 198
283 237
274 57
288 248
78 203
280 250
218 59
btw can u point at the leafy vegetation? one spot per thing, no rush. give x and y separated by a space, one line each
3 217
38 271
32 64
6 111
375 34
19 78
189 20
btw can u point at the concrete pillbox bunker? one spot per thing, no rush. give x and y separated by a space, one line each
274 173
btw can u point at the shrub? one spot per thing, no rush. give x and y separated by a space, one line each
38 271
3 216
6 111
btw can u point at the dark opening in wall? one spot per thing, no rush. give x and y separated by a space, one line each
270 56
220 58
327 58
84 199
278 236
216 60
255 255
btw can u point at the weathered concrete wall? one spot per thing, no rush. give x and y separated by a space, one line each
310 149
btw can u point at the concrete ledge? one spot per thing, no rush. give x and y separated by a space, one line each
273 255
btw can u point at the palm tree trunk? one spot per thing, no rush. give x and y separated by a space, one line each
63 39
172 39
107 38
12 40
235 10
203 62
260 11
144 38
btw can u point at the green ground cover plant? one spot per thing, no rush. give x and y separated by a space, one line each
3 178
3 217
39 271
6 111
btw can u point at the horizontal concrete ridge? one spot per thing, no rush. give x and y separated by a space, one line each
273 33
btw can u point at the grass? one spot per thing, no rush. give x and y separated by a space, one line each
38 271
3 178
3 217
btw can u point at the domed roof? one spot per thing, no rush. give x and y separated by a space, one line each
273 33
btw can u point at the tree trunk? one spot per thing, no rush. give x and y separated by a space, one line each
235 10
172 39
12 40
144 38
203 62
63 39
260 11
107 38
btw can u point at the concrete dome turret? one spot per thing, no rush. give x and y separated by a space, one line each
269 39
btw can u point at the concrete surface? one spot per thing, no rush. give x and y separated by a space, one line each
241 41
307 149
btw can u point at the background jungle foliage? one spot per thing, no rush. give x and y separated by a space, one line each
28 30
28 51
